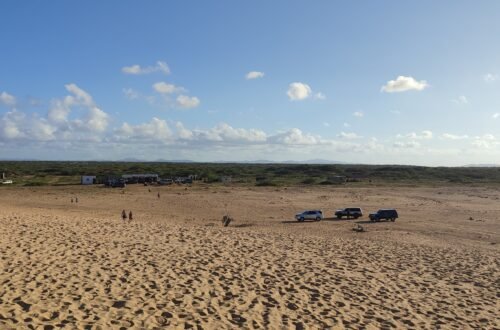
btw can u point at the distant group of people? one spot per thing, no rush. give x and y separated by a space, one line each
124 215
75 200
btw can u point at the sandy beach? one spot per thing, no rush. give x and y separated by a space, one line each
78 265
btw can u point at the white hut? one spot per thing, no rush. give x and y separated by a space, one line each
88 179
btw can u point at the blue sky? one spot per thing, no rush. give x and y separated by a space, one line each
367 82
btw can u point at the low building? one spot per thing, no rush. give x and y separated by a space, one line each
88 179
140 178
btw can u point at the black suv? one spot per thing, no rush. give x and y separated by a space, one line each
349 212
384 214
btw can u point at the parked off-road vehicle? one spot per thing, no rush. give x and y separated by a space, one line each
384 214
309 215
349 212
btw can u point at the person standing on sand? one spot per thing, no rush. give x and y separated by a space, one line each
130 215
76 199
124 215
158 195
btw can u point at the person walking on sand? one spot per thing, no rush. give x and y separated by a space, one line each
76 199
130 216
71 199
158 195
124 215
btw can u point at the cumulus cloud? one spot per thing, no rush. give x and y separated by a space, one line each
486 141
130 93
182 132
406 145
295 136
424 135
228 134
403 84
94 120
157 130
349 136
187 102
137 69
358 114
448 136
496 115
254 75
7 99
319 96
490 77
298 91
165 88
97 120
11 125
460 100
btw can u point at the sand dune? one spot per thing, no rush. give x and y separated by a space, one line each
80 266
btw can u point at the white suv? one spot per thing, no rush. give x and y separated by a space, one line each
310 215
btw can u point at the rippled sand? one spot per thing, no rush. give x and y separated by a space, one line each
79 266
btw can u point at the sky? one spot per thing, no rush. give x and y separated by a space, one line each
372 82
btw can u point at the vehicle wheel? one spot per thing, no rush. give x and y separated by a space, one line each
339 217
318 218
356 217
301 219
393 219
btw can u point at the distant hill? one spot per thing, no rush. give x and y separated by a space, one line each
482 165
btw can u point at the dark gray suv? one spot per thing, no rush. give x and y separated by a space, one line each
384 214
349 212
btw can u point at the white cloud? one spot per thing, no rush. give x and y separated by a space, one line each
157 130
41 130
80 96
406 145
319 96
187 102
348 136
137 69
165 88
295 136
130 93
460 100
486 141
448 136
358 114
182 132
11 125
496 115
424 135
97 120
298 91
490 77
7 99
403 84
254 75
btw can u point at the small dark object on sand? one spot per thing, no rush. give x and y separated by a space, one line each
124 215
130 215
358 228
226 220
